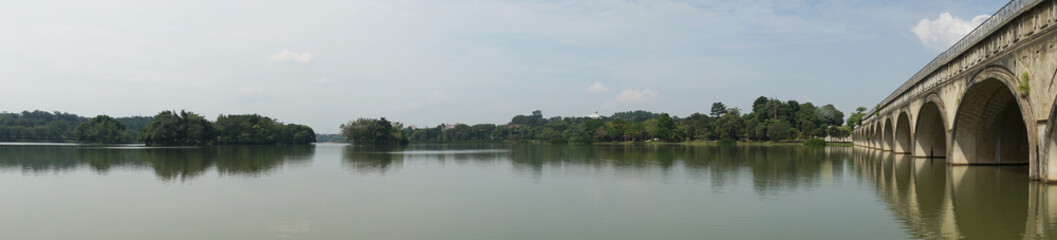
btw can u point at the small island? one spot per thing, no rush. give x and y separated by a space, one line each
167 128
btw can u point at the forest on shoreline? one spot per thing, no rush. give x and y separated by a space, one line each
166 128
769 120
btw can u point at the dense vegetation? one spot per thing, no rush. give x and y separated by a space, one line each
185 128
255 129
166 128
769 120
41 126
366 131
101 129
169 128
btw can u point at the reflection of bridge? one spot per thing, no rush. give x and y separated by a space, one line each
989 99
936 201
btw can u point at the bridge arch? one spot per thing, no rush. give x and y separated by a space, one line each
991 123
902 133
886 135
930 133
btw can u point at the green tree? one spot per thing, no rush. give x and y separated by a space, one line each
635 131
101 129
718 109
729 126
635 116
779 130
365 131
856 118
698 126
807 120
665 127
185 128
536 119
831 116
298 134
247 129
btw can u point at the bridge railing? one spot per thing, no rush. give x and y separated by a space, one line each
1008 12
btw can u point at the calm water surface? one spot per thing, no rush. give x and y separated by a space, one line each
502 191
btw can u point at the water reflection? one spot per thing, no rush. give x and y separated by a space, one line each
930 199
384 159
773 169
168 164
368 159
260 160
934 200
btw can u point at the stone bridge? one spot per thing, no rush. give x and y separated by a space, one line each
989 99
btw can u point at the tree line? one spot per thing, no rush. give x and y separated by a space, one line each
165 128
187 128
41 126
769 120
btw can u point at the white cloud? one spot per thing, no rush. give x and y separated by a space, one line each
636 95
945 30
597 88
289 56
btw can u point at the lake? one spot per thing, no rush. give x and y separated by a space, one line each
510 191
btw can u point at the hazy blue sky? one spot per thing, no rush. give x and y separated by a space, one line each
323 63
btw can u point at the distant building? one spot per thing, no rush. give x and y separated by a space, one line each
595 115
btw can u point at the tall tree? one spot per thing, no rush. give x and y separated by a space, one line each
831 116
729 125
718 109
665 127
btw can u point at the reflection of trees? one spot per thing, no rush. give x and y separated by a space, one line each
459 153
182 163
790 168
635 158
167 163
381 159
103 159
255 160
773 168
372 159
38 159
187 163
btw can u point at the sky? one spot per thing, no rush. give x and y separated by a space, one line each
423 63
